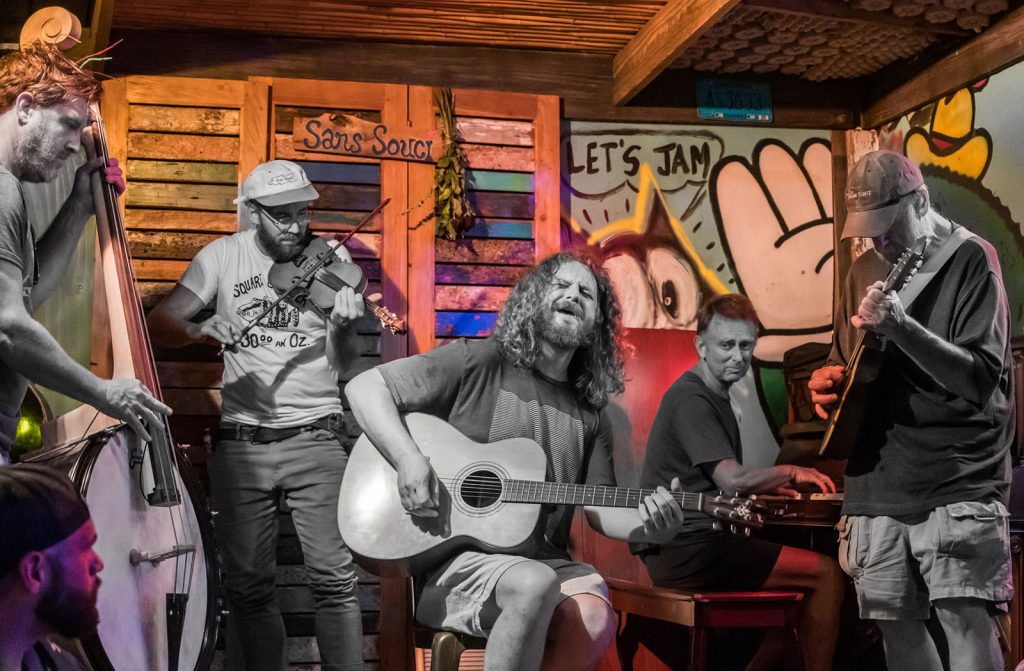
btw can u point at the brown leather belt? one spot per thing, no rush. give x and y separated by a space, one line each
334 423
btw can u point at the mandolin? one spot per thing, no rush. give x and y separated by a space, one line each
490 499
847 416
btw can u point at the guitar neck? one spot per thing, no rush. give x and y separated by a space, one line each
527 491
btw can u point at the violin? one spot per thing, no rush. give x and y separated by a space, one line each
316 290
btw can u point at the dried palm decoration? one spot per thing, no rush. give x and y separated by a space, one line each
453 213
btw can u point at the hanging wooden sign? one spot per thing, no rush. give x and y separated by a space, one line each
350 135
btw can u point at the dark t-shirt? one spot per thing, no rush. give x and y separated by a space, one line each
922 445
17 247
694 429
476 391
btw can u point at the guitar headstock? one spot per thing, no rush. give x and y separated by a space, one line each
906 265
739 514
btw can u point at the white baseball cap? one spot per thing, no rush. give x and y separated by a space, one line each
277 182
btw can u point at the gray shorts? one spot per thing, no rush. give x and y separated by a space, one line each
453 596
900 566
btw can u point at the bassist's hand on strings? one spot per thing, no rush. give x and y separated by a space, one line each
111 172
878 311
129 401
661 514
824 385
418 488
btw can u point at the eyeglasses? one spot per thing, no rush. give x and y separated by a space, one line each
284 223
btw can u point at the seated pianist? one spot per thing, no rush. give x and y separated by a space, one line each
695 437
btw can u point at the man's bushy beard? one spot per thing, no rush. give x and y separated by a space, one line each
37 158
69 612
274 247
578 334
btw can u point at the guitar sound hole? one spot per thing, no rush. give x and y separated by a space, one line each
480 489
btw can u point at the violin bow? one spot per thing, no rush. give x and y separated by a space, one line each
320 263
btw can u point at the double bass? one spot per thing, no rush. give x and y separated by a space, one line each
158 601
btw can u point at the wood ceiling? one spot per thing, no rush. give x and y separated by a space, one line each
647 48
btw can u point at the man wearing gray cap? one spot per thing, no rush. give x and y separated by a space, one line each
925 526
48 567
281 433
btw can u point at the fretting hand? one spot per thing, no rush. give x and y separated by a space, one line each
348 307
661 514
879 312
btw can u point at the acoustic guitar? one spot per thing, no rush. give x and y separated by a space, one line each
490 499
847 418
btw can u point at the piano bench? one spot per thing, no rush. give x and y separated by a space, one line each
446 647
701 611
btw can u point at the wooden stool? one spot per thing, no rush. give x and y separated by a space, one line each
446 647
705 610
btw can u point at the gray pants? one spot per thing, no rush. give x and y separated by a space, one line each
249 480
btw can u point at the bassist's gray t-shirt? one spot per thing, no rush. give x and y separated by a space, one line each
468 384
923 446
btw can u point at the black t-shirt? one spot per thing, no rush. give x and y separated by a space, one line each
922 445
693 431
487 399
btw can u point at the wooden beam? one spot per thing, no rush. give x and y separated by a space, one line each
582 81
394 257
421 233
675 27
547 224
254 132
999 47
842 11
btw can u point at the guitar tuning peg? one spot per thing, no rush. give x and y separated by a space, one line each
716 525
746 531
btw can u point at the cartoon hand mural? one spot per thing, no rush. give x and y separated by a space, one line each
775 219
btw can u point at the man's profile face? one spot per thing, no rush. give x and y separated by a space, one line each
906 229
726 348
68 603
282 229
570 308
48 138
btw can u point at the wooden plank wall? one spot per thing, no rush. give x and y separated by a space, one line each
513 180
187 143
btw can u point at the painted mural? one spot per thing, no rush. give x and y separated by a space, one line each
971 153
680 214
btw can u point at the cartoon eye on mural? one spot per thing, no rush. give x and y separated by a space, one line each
676 223
625 186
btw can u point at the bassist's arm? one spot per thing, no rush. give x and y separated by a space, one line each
377 413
